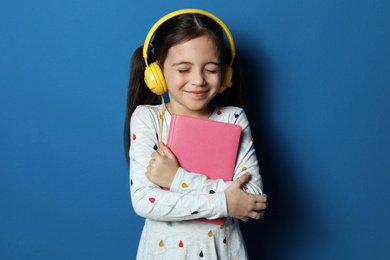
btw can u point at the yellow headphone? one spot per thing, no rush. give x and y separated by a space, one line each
153 75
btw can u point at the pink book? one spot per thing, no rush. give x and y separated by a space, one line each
205 146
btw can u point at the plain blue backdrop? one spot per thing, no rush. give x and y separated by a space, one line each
317 89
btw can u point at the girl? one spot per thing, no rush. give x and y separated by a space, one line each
189 48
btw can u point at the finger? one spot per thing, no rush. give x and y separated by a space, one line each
245 219
167 151
257 215
149 176
154 155
242 180
264 196
260 206
264 200
151 162
261 198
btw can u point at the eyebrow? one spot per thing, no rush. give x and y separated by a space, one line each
190 63
181 63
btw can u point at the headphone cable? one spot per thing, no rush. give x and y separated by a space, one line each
161 120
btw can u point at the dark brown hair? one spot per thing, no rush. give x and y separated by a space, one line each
176 30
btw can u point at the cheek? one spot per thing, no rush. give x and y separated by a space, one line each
169 79
215 81
173 78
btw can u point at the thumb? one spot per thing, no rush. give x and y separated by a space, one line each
167 152
242 180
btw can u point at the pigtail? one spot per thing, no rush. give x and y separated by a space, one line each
137 94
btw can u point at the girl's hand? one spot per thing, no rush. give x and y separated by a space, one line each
162 169
244 205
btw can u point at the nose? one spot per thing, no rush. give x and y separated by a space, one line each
198 78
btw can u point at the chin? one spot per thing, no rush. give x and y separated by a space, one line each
197 106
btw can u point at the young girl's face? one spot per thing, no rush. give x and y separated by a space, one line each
192 73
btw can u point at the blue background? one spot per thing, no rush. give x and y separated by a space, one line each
317 79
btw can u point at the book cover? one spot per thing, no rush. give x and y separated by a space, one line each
205 146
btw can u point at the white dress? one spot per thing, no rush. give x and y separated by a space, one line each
170 231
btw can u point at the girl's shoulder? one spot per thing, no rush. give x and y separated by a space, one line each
146 115
231 110
147 110
230 114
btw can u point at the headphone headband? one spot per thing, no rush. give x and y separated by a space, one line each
189 11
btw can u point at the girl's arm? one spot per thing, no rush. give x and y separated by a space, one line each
148 199
188 182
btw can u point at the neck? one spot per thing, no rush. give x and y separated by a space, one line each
204 113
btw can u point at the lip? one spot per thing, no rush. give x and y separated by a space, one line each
197 93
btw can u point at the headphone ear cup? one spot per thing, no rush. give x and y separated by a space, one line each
154 79
226 78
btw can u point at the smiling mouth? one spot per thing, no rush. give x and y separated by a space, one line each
197 93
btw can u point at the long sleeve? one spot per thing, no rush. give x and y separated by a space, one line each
246 161
148 199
